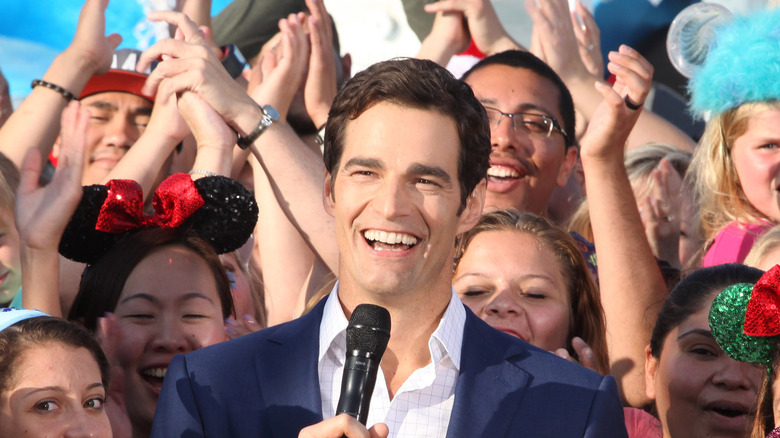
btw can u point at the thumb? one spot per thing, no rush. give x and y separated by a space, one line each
30 171
379 430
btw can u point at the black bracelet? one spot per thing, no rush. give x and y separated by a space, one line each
65 93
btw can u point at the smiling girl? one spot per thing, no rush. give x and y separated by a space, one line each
736 168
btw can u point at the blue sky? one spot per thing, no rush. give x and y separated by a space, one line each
32 33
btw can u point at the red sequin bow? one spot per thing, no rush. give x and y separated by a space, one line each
174 201
762 317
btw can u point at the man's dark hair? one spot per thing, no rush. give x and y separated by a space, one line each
418 84
527 60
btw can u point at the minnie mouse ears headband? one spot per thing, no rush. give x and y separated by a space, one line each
218 209
745 319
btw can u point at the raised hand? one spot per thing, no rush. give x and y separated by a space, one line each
588 40
483 23
449 35
553 38
90 44
42 213
282 69
320 87
620 108
584 353
660 213
190 65
109 336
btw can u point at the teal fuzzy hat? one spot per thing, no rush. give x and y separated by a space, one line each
742 66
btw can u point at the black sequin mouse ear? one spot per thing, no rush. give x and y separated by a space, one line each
217 208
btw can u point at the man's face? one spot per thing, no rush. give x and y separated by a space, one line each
524 167
395 201
116 121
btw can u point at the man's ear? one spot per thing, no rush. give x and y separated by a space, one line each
327 195
473 209
567 165
651 366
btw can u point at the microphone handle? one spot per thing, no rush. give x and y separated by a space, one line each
357 384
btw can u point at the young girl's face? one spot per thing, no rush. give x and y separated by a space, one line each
169 305
514 283
756 155
57 392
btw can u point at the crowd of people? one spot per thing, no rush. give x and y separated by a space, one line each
185 237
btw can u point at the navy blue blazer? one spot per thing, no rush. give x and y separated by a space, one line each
266 385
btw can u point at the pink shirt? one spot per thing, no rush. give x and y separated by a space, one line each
732 244
640 424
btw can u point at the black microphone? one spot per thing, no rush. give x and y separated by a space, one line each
367 336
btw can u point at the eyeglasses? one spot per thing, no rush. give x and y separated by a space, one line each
533 123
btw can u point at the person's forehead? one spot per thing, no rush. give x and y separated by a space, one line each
402 124
515 88
117 99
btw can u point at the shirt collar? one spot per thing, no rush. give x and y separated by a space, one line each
333 327
448 334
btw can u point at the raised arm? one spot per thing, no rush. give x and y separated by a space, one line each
555 42
298 188
478 20
36 123
632 288
6 106
43 212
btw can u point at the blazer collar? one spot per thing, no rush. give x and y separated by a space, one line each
490 381
292 357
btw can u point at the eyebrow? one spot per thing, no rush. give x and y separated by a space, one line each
524 277
700 332
371 163
153 299
435 171
522 108
108 106
59 389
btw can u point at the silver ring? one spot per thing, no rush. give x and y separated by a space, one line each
668 218
590 47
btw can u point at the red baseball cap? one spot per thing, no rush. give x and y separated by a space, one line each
122 76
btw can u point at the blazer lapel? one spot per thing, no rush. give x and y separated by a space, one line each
490 386
291 389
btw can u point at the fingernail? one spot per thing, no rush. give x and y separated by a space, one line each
249 319
230 320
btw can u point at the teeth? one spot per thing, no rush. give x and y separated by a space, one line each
155 372
503 172
390 238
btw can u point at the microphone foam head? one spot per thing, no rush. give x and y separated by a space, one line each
369 329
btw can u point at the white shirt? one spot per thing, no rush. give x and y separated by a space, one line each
423 404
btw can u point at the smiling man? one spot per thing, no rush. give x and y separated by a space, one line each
406 153
531 129
119 113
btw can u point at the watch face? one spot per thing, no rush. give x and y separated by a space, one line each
271 112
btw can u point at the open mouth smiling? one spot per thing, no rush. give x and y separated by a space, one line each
389 241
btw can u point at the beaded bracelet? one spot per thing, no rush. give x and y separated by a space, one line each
65 93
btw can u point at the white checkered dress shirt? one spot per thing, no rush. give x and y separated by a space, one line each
423 404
